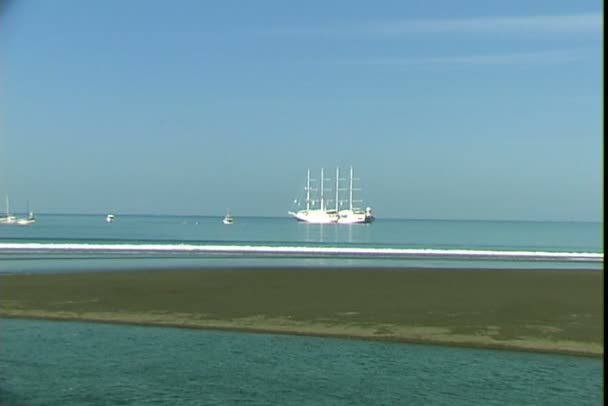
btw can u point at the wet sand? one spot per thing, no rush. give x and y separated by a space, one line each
558 311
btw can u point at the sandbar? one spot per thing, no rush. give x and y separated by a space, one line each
540 310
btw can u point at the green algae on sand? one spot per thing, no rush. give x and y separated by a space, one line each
533 310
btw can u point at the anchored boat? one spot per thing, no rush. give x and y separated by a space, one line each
228 218
318 203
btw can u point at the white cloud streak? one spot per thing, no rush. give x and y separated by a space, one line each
575 23
552 24
521 58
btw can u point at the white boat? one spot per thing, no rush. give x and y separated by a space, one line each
110 218
228 218
319 211
30 219
9 218
12 219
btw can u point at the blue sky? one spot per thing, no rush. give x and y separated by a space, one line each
446 110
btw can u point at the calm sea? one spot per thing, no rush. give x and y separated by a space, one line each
87 242
70 363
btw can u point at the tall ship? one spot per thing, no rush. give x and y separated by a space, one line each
321 207
316 203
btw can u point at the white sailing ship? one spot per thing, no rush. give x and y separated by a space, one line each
318 208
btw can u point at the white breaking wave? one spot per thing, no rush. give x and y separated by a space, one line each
83 248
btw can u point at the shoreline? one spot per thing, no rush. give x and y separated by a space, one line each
544 311
595 354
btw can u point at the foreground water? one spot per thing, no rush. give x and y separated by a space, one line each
86 242
72 363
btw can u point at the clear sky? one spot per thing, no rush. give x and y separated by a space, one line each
468 109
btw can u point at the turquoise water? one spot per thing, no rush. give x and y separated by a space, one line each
86 242
72 363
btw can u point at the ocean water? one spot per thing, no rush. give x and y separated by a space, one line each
72 363
87 242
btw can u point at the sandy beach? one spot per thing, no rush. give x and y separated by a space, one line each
557 311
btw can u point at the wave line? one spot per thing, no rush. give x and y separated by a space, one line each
300 251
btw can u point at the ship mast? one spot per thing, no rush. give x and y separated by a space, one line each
337 188
322 191
350 189
308 190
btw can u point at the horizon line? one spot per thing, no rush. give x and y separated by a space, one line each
117 214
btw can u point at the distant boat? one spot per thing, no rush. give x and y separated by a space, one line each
9 218
12 219
30 219
228 218
110 218
319 211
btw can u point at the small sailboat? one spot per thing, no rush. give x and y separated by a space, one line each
30 219
12 219
9 218
110 218
228 218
